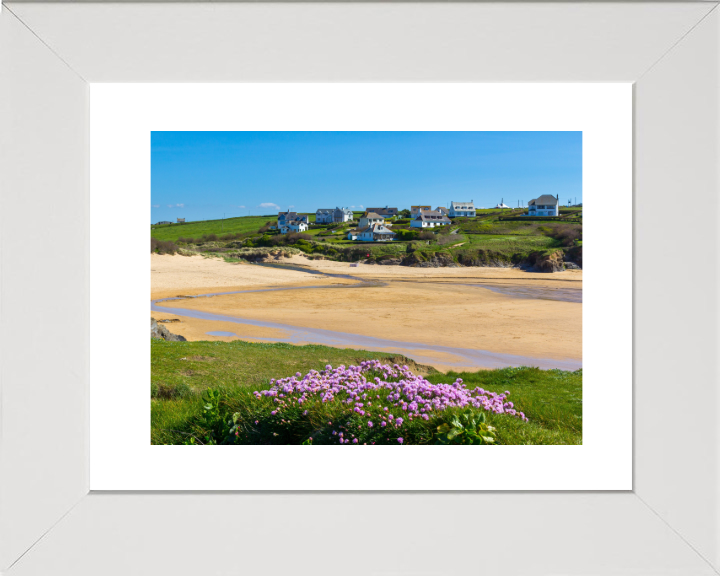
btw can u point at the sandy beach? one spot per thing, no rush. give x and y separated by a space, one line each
440 306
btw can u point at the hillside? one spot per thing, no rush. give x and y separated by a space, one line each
492 238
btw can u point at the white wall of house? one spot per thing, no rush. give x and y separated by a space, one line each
456 212
365 221
544 210
323 217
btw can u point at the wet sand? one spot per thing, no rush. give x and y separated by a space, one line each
432 306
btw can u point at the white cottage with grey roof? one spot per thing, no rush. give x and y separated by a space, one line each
430 219
545 205
375 233
458 209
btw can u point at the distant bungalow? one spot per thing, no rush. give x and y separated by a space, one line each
430 219
372 233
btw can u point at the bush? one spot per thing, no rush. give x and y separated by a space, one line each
162 246
406 235
426 235
566 233
372 403
447 239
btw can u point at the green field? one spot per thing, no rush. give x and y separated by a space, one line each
240 225
183 371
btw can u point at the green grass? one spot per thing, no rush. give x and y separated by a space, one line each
240 225
551 399
510 244
181 371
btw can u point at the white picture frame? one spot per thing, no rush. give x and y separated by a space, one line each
49 523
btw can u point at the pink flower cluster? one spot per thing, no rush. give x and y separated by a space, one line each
391 397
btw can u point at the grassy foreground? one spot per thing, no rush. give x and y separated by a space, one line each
196 384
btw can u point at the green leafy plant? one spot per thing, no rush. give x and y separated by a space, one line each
468 427
218 428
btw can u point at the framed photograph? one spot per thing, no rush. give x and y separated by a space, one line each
602 436
505 309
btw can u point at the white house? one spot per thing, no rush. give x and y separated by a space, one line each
285 217
545 205
294 226
342 215
462 209
370 218
442 210
375 233
324 215
430 220
502 205
329 215
352 235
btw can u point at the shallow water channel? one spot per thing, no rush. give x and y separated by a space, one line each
422 353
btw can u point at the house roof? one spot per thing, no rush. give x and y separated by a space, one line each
462 205
371 215
441 209
380 229
381 211
544 199
375 229
432 216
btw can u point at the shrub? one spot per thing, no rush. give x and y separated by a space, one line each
406 235
566 233
426 235
447 239
162 246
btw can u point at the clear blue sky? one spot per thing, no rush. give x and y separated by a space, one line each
203 175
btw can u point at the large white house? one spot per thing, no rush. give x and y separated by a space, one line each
294 226
430 219
324 215
458 209
329 215
545 205
370 218
374 233
285 217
